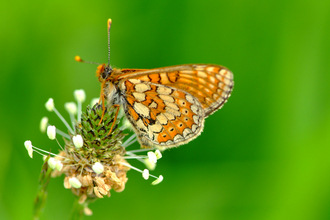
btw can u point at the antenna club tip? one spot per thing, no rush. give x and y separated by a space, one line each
78 59
109 22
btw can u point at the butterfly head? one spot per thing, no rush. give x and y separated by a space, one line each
103 72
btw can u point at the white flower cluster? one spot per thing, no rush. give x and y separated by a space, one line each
75 109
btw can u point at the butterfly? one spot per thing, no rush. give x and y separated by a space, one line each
166 106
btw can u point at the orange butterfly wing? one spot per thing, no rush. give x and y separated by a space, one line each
161 115
210 84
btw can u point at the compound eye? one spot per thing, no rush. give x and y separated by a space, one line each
104 74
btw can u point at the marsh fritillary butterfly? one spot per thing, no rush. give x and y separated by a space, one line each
166 106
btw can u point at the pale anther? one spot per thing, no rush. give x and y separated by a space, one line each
50 105
80 95
28 146
75 182
94 101
98 168
52 162
71 107
149 165
43 124
51 132
152 157
158 154
145 174
158 180
59 165
78 141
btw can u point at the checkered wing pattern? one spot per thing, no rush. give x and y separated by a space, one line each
161 115
210 84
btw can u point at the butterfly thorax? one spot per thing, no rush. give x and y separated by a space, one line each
109 85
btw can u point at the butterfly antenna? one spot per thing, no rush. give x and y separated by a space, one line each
78 59
109 26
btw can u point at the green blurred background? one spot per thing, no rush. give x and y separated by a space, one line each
265 155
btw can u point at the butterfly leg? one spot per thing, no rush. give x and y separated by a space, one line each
114 121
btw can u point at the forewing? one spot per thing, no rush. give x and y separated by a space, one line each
210 84
162 116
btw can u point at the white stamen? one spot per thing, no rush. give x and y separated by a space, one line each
134 157
28 146
94 101
131 142
59 165
88 211
134 168
52 162
139 158
58 131
145 174
98 168
126 125
63 120
79 95
78 141
130 166
138 150
43 124
71 107
51 132
126 143
152 157
158 180
47 152
158 154
50 105
75 182
149 165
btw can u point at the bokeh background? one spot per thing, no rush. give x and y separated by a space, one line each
265 155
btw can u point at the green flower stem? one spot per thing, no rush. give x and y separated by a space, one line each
77 212
41 197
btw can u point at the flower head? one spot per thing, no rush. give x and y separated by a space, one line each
92 160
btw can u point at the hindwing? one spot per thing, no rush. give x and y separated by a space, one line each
161 115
